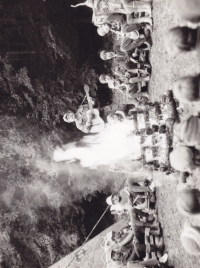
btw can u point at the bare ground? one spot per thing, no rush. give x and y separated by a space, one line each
165 70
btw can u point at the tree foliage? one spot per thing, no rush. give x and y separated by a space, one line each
43 213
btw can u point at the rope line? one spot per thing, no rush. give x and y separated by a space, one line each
89 235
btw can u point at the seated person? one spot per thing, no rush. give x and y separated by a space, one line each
120 203
117 117
134 31
130 254
128 44
126 237
136 215
186 89
124 60
131 90
182 40
112 108
117 20
123 202
123 6
125 80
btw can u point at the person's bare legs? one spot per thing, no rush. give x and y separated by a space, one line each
131 6
139 79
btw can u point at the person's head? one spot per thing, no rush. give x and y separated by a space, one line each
180 39
102 30
188 203
182 159
189 131
114 118
114 84
190 239
98 19
116 236
149 131
115 199
118 71
155 128
116 255
69 117
187 89
102 6
105 78
162 129
106 55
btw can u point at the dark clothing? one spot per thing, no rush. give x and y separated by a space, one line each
127 28
135 215
116 18
128 255
112 108
129 45
81 122
123 59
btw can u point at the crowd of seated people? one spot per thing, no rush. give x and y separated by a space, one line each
129 57
131 246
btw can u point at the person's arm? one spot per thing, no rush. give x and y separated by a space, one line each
139 212
134 213
132 20
126 28
133 256
116 32
128 44
84 127
115 17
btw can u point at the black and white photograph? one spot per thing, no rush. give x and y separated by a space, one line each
99 133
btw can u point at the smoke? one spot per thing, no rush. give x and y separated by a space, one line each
115 142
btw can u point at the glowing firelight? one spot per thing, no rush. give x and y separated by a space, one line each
112 144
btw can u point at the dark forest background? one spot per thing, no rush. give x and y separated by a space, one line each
48 50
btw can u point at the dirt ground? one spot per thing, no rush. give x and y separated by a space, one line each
165 70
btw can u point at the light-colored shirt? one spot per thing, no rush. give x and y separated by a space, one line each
81 122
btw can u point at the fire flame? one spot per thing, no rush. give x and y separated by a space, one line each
115 142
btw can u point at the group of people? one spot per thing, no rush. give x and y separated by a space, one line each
130 67
128 247
186 157
130 23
